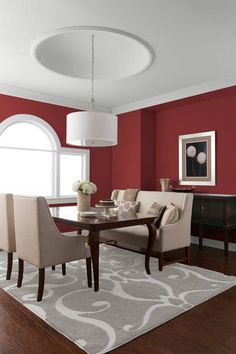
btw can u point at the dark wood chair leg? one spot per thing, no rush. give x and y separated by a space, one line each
9 265
161 261
89 272
41 284
53 267
63 268
187 254
20 272
151 240
94 248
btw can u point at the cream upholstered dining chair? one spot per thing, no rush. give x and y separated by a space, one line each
7 230
39 242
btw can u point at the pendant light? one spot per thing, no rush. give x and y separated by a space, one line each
91 128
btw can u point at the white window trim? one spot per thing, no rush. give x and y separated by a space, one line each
61 200
57 149
29 118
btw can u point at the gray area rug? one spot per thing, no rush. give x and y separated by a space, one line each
129 302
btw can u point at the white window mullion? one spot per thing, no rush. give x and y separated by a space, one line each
57 177
86 164
54 174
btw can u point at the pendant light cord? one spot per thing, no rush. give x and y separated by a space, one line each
92 77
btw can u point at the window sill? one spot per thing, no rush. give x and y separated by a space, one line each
61 200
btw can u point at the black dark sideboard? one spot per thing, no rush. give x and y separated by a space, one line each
214 211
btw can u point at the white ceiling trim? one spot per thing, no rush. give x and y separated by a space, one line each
176 95
47 98
145 103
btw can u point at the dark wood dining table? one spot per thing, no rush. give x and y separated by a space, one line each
69 215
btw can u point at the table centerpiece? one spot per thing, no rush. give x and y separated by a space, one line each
84 190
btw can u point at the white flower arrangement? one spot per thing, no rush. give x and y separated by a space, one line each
85 187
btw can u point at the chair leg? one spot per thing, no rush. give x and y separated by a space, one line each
9 265
89 272
187 254
63 268
20 272
53 267
41 284
161 261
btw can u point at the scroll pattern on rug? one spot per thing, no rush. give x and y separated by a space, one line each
129 302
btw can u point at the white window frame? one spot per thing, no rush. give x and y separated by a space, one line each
56 149
85 161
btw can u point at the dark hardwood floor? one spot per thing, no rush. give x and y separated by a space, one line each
209 328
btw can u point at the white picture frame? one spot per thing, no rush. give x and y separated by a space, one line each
197 159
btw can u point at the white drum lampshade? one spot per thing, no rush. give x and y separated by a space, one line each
91 128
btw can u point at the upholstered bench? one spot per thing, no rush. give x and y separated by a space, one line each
169 236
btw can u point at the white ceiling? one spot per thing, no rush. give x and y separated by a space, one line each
194 43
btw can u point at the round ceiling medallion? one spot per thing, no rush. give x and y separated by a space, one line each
117 54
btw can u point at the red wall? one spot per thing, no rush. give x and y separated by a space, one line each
100 158
148 141
126 159
133 161
147 150
198 115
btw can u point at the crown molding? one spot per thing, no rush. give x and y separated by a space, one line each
176 95
145 103
47 98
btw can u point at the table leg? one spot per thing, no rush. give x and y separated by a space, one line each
151 241
94 248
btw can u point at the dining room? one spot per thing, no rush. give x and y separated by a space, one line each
117 183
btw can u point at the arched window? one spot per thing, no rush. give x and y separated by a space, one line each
33 162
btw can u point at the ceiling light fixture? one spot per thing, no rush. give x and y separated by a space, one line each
91 128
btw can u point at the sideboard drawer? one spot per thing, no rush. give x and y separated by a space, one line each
212 212
217 211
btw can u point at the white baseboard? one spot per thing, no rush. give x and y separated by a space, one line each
213 243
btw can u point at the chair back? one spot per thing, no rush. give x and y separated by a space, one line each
34 228
7 229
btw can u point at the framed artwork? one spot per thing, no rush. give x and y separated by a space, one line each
197 159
